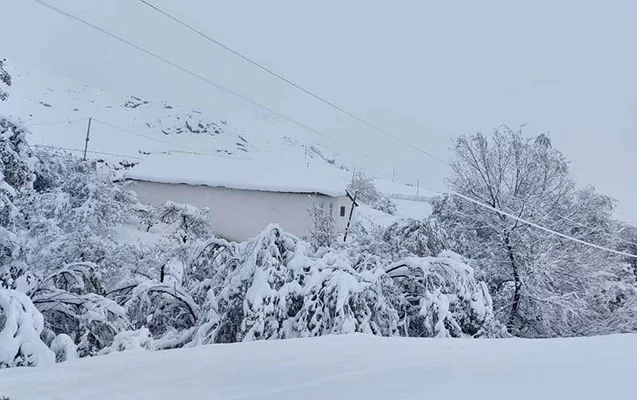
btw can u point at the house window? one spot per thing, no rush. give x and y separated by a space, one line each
342 211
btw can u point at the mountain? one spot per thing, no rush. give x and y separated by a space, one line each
127 127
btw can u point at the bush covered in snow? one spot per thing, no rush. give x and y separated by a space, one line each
443 298
20 327
280 287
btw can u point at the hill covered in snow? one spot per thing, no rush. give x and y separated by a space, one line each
127 127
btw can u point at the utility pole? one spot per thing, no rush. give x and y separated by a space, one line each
418 187
88 134
351 212
393 174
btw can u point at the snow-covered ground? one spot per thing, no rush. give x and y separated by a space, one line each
346 367
412 209
401 190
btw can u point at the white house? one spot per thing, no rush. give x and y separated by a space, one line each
244 196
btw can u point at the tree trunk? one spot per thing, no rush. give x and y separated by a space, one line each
517 284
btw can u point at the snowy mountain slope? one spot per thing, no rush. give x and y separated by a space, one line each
345 367
56 109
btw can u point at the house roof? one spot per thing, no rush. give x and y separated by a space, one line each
260 175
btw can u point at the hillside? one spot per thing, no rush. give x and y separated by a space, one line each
345 367
56 109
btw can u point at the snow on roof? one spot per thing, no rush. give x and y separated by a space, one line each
262 175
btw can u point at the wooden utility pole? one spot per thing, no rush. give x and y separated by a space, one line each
88 134
351 212
418 187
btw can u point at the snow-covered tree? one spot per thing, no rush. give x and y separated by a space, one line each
541 283
408 238
5 79
323 228
16 177
628 244
367 193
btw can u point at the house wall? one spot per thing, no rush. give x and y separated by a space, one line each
238 215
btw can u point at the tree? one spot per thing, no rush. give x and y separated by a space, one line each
366 191
16 177
541 283
628 244
323 230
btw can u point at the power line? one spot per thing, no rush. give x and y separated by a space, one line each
295 85
552 232
137 134
187 149
88 151
595 230
198 76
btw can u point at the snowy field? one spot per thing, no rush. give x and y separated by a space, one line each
346 367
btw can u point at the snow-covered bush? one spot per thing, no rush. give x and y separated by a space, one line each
73 303
334 298
20 327
64 348
140 339
444 298
157 306
277 286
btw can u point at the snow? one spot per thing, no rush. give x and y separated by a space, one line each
412 209
262 175
368 217
405 209
134 234
345 367
138 340
396 190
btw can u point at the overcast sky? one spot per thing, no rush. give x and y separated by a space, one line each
426 71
